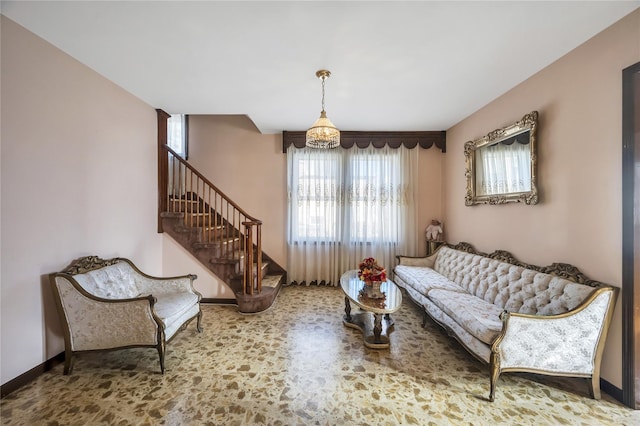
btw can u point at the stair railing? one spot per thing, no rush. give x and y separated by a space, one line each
219 221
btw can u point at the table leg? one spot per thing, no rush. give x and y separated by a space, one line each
347 308
377 326
387 317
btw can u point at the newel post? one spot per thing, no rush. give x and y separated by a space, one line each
163 166
259 255
248 258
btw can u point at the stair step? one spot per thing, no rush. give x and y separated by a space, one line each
214 240
181 204
220 248
214 231
190 219
172 214
271 280
182 198
239 275
265 265
178 200
232 257
215 228
217 244
203 219
268 280
224 258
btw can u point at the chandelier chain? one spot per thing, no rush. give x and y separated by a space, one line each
323 79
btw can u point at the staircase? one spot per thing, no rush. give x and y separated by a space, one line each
215 230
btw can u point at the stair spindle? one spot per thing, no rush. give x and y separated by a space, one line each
219 222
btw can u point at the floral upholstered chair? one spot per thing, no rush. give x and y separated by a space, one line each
110 304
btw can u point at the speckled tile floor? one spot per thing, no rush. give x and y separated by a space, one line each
296 364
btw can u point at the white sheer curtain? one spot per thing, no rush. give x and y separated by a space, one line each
503 169
177 134
177 141
348 204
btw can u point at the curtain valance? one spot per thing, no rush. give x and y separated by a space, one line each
410 140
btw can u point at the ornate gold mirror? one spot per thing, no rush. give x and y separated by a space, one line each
501 166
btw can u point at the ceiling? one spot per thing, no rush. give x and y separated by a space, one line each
396 66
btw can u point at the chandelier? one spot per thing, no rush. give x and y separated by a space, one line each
323 134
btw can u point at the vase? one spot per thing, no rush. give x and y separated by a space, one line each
372 289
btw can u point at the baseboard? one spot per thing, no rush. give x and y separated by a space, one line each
29 376
611 390
219 301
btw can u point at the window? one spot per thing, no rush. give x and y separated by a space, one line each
347 204
177 134
373 195
346 194
318 196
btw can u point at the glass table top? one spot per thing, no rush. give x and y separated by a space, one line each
353 289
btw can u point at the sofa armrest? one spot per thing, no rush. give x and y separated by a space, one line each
569 344
154 285
150 285
427 262
94 323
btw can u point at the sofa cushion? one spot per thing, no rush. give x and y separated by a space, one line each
170 306
424 279
546 295
480 318
473 344
110 282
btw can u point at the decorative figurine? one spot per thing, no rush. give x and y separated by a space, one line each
434 231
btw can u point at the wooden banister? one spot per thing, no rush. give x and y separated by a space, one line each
204 179
220 222
248 276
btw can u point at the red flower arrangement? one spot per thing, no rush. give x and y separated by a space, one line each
370 271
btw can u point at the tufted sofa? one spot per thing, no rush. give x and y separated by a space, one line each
516 317
111 304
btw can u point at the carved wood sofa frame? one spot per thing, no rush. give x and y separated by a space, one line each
65 281
508 319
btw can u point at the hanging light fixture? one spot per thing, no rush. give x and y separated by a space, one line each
323 134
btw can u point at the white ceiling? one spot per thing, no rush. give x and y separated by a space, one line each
395 65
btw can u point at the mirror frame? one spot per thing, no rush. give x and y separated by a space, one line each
528 123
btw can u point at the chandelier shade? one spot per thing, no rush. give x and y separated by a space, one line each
323 134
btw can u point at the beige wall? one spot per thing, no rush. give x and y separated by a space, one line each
578 220
78 177
429 190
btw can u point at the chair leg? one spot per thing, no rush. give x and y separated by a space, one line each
199 322
495 374
595 387
161 351
68 361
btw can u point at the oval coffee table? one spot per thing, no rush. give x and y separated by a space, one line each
375 331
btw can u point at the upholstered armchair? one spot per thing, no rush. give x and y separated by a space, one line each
110 304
